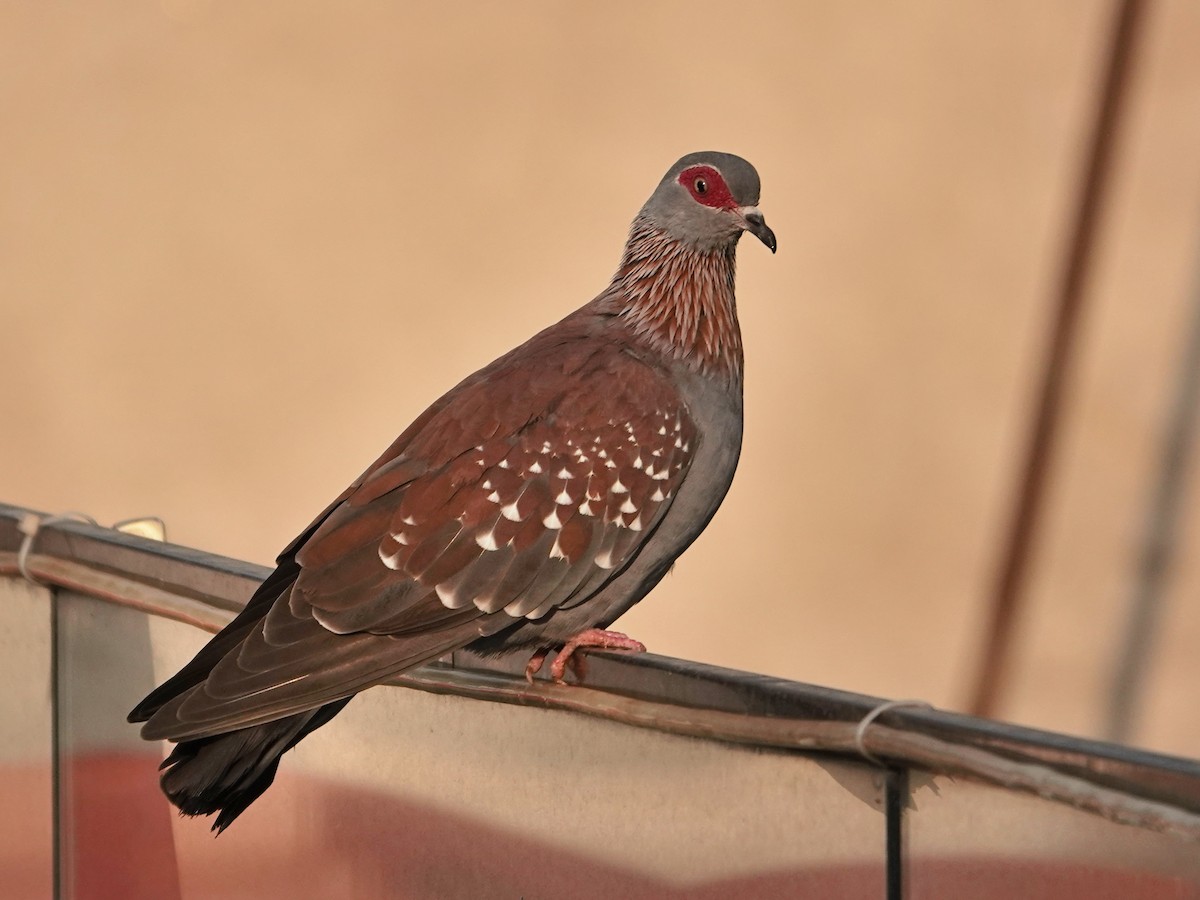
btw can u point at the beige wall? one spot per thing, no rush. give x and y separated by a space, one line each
242 245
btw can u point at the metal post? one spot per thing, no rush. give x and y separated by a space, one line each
1013 565
1157 552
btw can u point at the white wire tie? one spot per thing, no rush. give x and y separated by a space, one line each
30 525
860 733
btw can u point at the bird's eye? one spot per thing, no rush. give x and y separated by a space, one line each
701 186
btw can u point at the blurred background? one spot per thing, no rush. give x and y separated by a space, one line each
243 245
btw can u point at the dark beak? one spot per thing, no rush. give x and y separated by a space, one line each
757 226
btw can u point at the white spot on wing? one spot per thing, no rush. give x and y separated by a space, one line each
586 508
487 540
564 474
605 560
657 496
409 520
636 524
618 488
511 512
503 464
391 560
535 467
563 498
494 496
552 521
446 596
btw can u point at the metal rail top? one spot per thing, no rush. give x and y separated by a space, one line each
1149 790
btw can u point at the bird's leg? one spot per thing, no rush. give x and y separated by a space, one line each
535 663
593 637
538 659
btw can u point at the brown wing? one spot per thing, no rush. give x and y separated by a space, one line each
525 489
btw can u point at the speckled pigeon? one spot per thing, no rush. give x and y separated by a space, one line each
524 511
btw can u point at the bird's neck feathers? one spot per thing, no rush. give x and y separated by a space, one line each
680 299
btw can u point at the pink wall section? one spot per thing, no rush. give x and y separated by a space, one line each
309 838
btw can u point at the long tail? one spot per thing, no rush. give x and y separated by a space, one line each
225 773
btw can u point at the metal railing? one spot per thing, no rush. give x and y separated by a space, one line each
903 749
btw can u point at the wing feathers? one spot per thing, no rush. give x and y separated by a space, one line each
266 681
516 494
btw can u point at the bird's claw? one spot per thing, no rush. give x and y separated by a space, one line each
592 637
535 663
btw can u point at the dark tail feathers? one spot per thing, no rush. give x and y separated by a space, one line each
225 773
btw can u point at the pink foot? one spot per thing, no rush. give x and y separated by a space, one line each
538 659
535 664
593 637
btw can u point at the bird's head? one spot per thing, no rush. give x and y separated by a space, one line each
707 200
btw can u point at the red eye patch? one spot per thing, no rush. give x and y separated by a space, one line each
707 187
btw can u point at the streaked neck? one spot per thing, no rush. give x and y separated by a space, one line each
680 299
